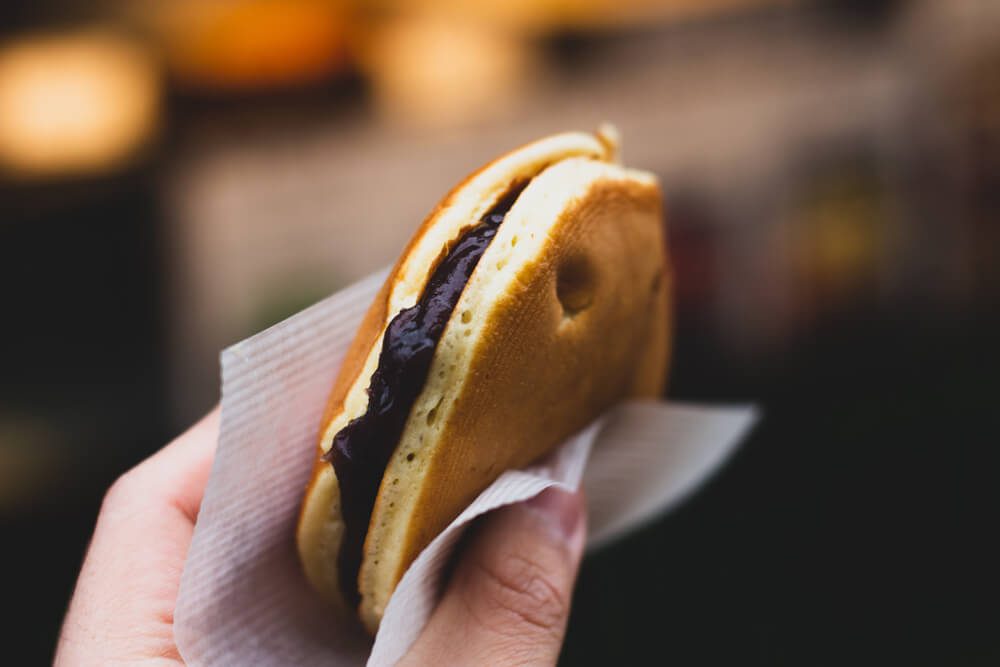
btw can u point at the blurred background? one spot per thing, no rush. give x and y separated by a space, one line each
177 175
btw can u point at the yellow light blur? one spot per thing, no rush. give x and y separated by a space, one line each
74 103
435 71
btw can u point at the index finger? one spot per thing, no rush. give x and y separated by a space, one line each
180 470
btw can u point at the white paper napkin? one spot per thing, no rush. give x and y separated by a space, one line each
243 599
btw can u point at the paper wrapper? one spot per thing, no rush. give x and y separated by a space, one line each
243 599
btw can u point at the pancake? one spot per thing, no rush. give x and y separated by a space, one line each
563 314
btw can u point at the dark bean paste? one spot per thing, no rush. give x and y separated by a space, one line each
362 449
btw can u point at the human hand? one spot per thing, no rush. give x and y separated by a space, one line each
122 610
507 602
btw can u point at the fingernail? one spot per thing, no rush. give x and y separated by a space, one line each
562 510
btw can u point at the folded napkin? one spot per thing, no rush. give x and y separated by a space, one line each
243 599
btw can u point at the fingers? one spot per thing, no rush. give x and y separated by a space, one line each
122 608
509 598
180 470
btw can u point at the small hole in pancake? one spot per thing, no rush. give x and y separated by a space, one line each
411 456
432 416
575 283
466 316
501 264
513 242
395 481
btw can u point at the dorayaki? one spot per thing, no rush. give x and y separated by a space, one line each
532 298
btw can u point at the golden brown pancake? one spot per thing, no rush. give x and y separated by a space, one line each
565 314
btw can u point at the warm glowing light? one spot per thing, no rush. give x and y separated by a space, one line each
441 72
74 103
232 45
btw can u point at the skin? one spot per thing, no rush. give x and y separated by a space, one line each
507 602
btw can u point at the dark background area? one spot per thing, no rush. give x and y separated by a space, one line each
853 527
831 173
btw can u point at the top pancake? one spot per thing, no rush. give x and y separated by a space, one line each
565 314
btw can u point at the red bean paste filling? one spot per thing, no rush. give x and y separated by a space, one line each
362 449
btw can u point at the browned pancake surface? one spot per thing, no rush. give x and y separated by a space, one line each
578 326
566 315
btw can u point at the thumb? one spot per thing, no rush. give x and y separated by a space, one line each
509 598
